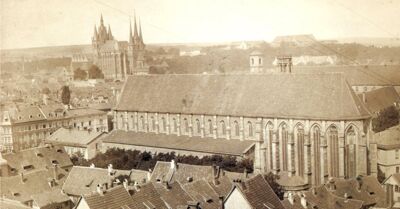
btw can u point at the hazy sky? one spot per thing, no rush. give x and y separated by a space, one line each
33 23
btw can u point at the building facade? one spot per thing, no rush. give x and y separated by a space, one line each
301 135
117 59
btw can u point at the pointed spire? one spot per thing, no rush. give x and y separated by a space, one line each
110 36
95 32
135 32
130 32
101 19
140 31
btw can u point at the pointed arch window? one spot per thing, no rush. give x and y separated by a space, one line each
164 124
333 151
153 124
198 126
250 129
142 123
284 142
186 124
175 125
210 127
237 129
223 128
299 140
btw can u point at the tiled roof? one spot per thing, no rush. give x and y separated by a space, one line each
148 197
38 158
50 197
174 195
114 198
389 138
289 95
27 114
379 99
73 137
259 193
201 191
174 142
366 189
85 112
12 204
84 180
181 173
34 183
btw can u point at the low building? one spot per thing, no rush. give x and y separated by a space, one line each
84 180
388 151
392 185
77 142
252 194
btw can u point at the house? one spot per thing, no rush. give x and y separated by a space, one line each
146 196
388 151
84 180
85 142
319 197
379 99
116 197
392 184
34 159
253 193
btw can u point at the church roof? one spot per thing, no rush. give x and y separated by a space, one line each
303 96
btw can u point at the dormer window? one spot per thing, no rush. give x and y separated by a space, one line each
30 116
19 117
16 194
28 167
39 115
59 151
55 162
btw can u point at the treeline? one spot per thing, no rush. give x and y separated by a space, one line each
134 159
387 118
32 66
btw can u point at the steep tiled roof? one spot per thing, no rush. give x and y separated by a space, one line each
389 138
174 142
38 158
35 183
366 189
84 180
201 191
289 95
50 197
181 172
174 196
259 193
27 114
73 137
379 99
148 197
114 198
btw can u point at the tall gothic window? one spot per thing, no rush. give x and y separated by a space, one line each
334 151
175 125
210 127
250 129
268 141
132 121
186 123
153 124
198 126
284 142
121 121
237 129
316 144
164 124
299 140
142 123
223 128
350 153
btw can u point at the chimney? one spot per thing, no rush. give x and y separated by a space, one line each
125 183
92 165
364 99
166 185
346 196
173 165
221 202
291 198
216 171
149 174
136 186
332 185
99 189
22 177
359 183
245 173
110 169
303 201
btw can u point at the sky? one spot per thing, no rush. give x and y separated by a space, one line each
36 23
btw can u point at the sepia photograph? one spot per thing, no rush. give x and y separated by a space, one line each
199 104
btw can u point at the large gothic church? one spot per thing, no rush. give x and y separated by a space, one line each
117 59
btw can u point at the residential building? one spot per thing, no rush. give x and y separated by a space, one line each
392 186
388 151
325 135
146 196
5 132
77 142
116 197
251 194
30 125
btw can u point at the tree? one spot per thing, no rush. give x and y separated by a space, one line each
95 72
80 74
387 118
271 179
65 95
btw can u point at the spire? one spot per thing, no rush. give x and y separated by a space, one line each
130 32
135 32
95 32
101 20
140 31
110 36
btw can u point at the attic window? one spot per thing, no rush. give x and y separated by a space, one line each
13 170
59 151
28 167
54 162
158 180
371 193
39 154
30 116
16 194
19 117
39 115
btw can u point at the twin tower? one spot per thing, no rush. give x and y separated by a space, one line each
118 59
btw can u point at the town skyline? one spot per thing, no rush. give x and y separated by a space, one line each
58 23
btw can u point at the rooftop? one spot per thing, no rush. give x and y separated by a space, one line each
73 137
114 198
174 142
389 138
379 99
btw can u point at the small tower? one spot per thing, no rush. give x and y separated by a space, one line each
256 62
285 64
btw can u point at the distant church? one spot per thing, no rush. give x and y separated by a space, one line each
117 59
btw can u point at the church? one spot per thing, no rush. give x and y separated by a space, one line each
305 127
118 59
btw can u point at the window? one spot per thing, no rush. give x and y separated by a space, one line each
223 127
164 124
186 123
250 129
142 122
236 126
175 125
198 126
210 127
153 124
252 61
396 188
259 61
397 169
396 154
